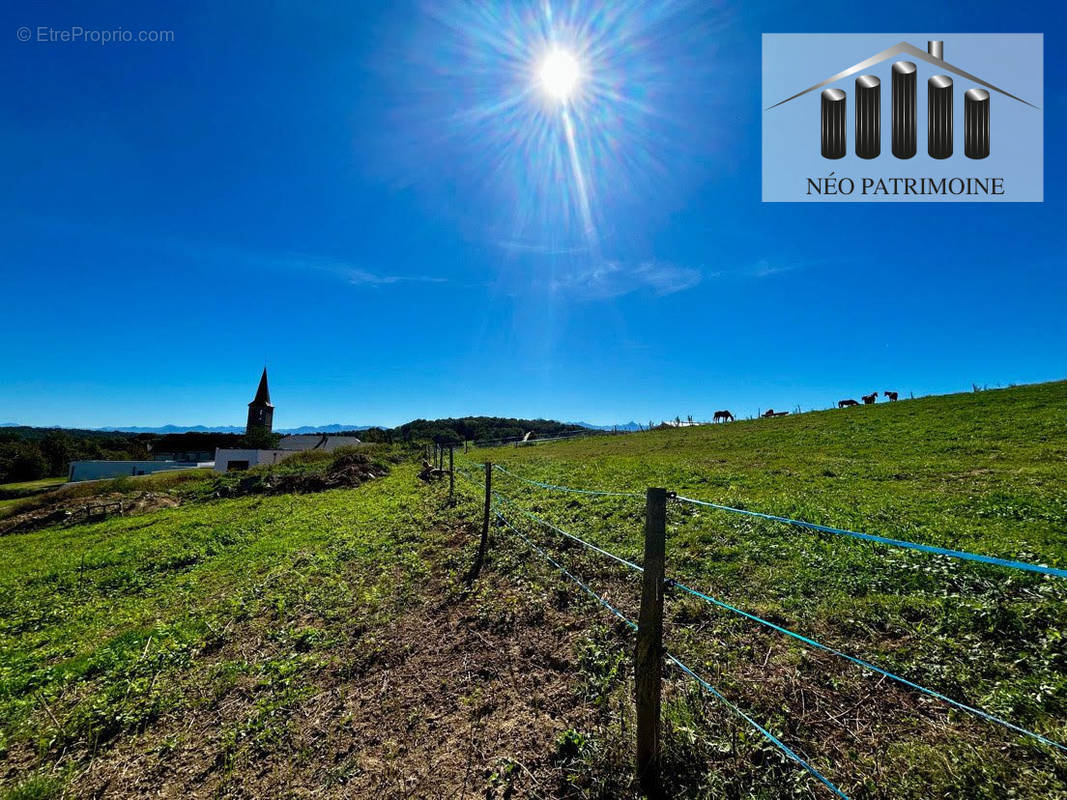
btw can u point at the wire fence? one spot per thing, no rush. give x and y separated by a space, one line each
702 682
503 505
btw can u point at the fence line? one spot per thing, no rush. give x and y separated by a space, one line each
669 582
571 536
774 740
924 548
869 537
700 681
799 637
868 665
562 569
567 488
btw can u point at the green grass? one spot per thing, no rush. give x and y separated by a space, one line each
30 486
12 494
116 635
104 627
984 472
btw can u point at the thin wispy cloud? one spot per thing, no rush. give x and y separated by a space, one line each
611 279
229 256
351 273
764 268
541 249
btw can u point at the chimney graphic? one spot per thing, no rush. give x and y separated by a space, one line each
939 116
940 129
938 108
834 120
976 123
904 124
868 116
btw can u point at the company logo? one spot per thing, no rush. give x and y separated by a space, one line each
970 138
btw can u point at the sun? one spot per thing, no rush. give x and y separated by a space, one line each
559 75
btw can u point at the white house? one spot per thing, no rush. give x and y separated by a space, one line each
228 459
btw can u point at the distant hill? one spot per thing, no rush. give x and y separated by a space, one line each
625 426
164 429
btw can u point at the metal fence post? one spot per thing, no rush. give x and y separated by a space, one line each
648 656
476 568
451 473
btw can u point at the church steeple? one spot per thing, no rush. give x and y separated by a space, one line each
260 410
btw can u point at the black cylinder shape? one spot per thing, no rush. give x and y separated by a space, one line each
833 123
976 123
868 116
939 116
903 122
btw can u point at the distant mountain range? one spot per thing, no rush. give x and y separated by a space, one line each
626 426
334 428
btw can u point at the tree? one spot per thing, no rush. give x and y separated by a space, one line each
24 462
58 450
260 439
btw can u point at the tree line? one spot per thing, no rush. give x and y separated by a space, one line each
456 431
29 454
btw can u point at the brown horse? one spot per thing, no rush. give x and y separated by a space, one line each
870 398
723 416
846 403
892 396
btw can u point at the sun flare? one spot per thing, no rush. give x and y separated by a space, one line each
559 75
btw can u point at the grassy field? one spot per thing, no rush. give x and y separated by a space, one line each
324 644
985 472
12 493
31 486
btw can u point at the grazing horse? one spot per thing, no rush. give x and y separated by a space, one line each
846 403
891 395
869 398
723 416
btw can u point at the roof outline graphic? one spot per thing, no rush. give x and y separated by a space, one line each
898 49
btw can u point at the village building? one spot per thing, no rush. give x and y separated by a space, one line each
98 470
261 421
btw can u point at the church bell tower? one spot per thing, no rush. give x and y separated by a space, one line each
260 410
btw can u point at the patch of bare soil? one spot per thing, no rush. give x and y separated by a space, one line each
347 471
75 510
431 705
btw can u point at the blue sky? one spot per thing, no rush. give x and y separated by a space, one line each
354 196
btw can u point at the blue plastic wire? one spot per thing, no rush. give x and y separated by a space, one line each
562 569
555 488
571 536
924 548
868 665
800 637
766 733
463 474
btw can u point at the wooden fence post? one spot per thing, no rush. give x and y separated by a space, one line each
476 568
648 656
451 473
